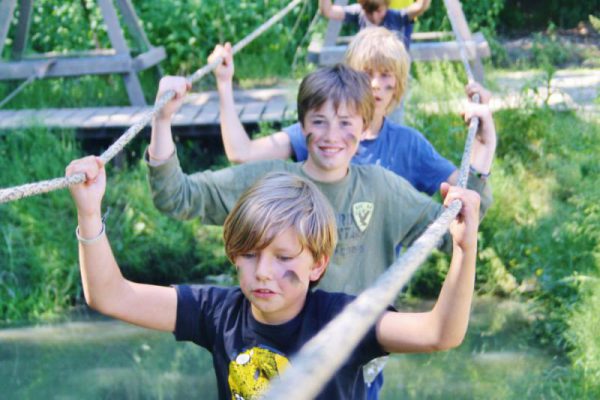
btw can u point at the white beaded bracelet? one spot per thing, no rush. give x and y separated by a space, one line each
85 241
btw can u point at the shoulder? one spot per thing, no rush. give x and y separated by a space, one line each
203 295
293 130
329 304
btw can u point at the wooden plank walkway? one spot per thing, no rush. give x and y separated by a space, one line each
200 109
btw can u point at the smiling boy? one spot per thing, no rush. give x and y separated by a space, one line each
280 236
376 210
398 148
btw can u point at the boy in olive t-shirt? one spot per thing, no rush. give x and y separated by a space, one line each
376 210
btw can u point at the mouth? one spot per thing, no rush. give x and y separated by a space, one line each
263 293
330 150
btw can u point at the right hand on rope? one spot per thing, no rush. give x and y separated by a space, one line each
88 195
464 227
224 72
181 86
473 88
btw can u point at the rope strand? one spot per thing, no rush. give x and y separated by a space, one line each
19 192
319 359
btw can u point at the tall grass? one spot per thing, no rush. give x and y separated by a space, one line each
39 275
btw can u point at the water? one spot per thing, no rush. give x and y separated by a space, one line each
97 358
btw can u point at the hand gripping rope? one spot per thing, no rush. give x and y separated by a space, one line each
19 192
318 360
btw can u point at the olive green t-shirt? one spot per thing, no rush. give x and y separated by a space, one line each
376 210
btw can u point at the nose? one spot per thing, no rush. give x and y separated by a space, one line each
375 81
264 270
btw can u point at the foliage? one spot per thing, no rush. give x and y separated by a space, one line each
584 325
39 274
537 14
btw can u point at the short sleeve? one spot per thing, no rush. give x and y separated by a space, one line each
351 14
433 169
297 141
198 308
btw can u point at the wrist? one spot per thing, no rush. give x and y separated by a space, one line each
87 217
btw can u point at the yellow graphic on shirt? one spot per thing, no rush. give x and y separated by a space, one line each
400 4
362 213
252 370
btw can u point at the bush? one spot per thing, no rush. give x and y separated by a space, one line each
39 274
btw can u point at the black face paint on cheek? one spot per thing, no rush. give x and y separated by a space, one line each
308 138
292 277
351 138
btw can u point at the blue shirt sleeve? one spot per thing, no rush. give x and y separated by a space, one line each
432 169
298 142
351 14
197 307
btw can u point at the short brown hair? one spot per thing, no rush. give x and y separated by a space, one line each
276 202
370 6
379 49
338 84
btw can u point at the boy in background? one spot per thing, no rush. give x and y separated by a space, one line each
398 148
369 13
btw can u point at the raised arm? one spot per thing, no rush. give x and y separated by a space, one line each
331 11
104 287
239 148
484 146
443 327
417 8
161 140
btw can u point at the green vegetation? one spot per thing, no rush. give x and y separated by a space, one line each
539 244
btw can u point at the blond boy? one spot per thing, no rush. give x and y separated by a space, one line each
280 236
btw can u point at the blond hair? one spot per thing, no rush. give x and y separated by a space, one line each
379 49
339 84
276 202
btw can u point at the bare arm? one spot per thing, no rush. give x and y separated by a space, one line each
443 327
239 148
484 146
417 8
331 11
104 287
161 140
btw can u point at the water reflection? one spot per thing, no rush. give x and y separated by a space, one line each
95 358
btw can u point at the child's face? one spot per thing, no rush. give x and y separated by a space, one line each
376 17
332 138
383 84
276 278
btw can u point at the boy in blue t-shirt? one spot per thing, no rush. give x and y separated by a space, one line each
370 13
398 148
280 236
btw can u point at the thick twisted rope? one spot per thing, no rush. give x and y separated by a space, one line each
19 192
319 359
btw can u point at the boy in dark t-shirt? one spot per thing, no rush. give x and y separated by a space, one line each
280 236
369 13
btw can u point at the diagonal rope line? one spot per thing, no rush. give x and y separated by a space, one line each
320 358
19 192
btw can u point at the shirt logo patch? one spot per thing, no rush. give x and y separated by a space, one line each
362 213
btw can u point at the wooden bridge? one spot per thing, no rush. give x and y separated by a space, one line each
200 113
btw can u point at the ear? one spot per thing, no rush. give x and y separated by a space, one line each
318 268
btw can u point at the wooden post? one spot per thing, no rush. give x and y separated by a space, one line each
25 8
131 19
7 8
334 28
460 26
117 39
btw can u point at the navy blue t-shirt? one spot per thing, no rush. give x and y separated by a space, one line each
247 353
398 148
396 21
